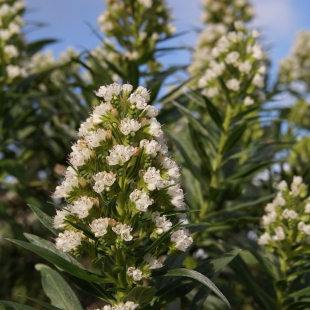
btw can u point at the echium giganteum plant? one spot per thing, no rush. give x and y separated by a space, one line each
286 234
235 69
133 30
122 192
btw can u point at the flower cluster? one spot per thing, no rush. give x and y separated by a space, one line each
122 189
147 22
236 61
226 11
10 37
299 156
287 219
129 305
297 64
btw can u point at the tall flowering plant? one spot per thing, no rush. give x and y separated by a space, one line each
124 207
286 231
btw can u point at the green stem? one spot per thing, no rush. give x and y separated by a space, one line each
215 173
120 262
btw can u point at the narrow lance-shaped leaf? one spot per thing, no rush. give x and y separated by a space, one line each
62 263
182 272
58 291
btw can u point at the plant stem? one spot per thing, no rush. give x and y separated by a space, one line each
215 173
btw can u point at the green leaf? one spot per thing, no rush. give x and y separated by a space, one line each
196 227
300 305
191 118
57 290
36 46
233 138
91 288
141 295
44 304
302 292
213 112
182 272
45 219
159 240
51 247
181 287
8 305
62 263
188 160
261 297
201 295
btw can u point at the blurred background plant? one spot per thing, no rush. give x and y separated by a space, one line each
226 123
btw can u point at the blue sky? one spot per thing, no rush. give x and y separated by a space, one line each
278 20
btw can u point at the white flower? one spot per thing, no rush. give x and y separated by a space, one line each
68 240
306 230
103 181
141 200
210 92
248 101
301 226
279 200
307 208
289 214
13 71
99 111
176 193
233 84
5 34
269 218
115 89
282 186
11 51
245 67
80 153
124 231
146 3
135 273
217 67
128 126
151 111
151 147
264 239
164 147
232 58
66 186
171 166
99 226
59 219
155 128
295 185
222 45
143 92
127 88
161 223
85 127
151 177
270 207
82 206
120 154
280 234
257 51
153 261
104 92
138 101
93 138
182 239
258 81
